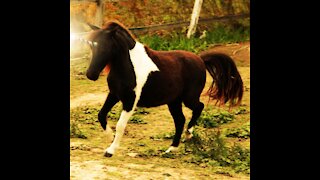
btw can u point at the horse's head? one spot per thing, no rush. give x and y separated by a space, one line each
107 45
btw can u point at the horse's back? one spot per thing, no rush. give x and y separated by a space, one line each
181 73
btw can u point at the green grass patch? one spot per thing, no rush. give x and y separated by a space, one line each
163 136
136 120
148 153
209 119
178 41
81 116
240 132
84 114
75 131
210 147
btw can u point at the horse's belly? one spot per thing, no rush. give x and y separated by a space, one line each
156 97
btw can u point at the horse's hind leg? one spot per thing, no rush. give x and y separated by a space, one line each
196 108
175 109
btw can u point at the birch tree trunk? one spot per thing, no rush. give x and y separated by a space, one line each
194 17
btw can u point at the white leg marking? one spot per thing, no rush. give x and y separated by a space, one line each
172 148
121 124
190 130
189 133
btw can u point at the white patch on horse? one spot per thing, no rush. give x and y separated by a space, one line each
142 65
189 133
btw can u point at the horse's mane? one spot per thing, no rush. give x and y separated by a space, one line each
114 24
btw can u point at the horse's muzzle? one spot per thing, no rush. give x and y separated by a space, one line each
92 76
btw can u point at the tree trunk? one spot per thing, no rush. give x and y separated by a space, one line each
99 13
194 17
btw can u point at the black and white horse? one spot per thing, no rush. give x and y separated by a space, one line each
142 77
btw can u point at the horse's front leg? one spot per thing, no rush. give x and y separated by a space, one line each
128 109
107 106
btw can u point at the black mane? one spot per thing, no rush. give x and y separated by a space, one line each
121 33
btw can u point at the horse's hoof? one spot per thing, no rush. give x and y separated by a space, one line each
188 136
106 154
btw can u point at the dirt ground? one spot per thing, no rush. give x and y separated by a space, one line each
86 155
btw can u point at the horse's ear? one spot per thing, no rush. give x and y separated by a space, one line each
93 27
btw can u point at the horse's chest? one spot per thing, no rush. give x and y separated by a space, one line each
142 67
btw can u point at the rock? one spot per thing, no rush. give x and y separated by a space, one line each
132 154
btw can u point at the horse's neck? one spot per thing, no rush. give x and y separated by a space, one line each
122 68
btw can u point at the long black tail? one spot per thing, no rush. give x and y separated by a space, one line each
227 84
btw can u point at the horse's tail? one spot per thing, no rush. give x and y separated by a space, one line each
227 84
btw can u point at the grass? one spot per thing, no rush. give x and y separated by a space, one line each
239 132
210 147
163 136
210 119
179 41
75 132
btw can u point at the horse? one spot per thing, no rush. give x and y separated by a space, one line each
142 77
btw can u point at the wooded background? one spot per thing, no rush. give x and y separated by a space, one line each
137 13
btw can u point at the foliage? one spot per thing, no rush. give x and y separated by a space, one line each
241 132
86 115
148 153
210 119
81 115
167 135
159 153
75 132
136 120
147 12
210 147
179 41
